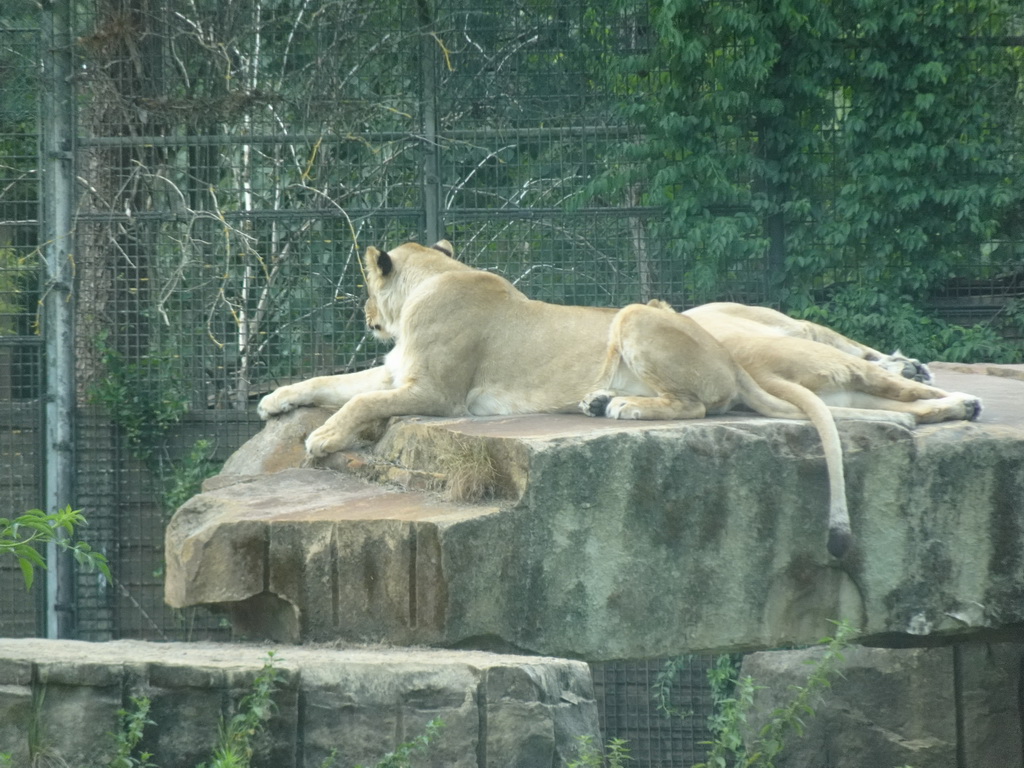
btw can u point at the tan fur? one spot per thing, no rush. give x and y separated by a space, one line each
814 367
761 321
469 343
843 372
375 323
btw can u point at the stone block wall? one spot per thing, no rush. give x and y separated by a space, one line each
61 698
951 707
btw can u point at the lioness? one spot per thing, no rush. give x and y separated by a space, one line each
747 320
469 343
827 374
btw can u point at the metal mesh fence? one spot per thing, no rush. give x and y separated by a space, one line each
21 415
670 736
233 158
233 161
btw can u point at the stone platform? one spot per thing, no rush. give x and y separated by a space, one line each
923 707
600 540
63 698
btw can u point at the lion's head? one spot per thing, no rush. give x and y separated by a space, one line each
391 276
374 322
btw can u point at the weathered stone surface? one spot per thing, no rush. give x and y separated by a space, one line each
605 540
281 444
498 711
925 707
991 704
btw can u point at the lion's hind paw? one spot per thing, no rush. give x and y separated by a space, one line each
596 403
972 406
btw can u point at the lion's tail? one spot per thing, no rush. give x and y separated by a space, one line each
779 398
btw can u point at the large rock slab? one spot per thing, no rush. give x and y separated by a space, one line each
63 697
602 540
925 707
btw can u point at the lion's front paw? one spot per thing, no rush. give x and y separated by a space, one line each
276 403
596 403
915 370
324 441
623 408
907 367
606 403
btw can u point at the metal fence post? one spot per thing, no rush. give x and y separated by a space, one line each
56 138
432 200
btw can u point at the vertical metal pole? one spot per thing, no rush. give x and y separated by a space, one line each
56 143
432 200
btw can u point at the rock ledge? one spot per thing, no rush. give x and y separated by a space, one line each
602 540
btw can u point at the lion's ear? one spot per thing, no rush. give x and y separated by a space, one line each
384 263
444 247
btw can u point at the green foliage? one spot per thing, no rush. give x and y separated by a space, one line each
876 133
185 478
237 733
734 695
614 755
128 736
16 272
144 398
21 536
663 686
881 321
402 756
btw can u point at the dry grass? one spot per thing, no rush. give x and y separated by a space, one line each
470 471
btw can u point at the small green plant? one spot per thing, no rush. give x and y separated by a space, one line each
143 398
40 753
21 536
404 753
237 733
16 273
734 695
663 686
186 477
614 755
132 723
